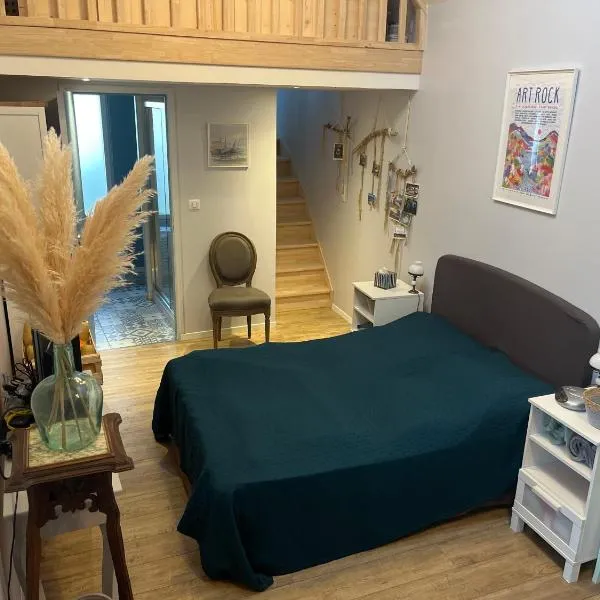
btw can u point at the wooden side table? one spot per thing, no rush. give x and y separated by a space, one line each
72 481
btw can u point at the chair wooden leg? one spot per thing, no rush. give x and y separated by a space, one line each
267 326
215 323
220 327
249 321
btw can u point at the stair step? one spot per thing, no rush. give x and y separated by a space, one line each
298 256
284 166
296 246
291 200
307 267
295 233
300 223
287 187
304 301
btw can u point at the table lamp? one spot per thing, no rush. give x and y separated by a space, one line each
415 270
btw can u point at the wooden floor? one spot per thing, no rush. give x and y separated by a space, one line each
471 558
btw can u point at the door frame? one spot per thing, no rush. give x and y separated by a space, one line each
169 93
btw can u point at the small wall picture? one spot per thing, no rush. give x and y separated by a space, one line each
412 190
228 145
362 159
338 152
410 206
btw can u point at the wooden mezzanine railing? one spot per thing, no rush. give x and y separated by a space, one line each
356 35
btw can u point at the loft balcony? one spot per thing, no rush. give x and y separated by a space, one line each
378 36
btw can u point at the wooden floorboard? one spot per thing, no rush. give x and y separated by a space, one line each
472 558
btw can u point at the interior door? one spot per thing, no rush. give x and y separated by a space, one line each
159 230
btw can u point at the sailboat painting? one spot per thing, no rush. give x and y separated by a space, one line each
228 145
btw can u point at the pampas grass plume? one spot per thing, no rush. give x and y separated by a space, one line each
56 281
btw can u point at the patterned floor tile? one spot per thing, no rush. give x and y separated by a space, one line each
129 319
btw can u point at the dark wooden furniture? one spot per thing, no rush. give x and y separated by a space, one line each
232 258
71 481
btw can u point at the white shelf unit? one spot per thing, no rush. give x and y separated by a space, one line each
558 497
374 307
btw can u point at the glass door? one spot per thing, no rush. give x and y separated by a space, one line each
152 139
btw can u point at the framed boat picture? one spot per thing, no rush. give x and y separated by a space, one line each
228 145
538 108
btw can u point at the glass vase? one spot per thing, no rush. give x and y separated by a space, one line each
67 406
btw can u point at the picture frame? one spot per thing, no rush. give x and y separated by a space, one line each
338 151
228 145
534 137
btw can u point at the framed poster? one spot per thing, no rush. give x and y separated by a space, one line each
228 145
538 107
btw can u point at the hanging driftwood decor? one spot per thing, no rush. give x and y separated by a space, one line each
341 151
376 170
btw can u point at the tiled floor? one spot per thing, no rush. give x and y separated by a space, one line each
128 318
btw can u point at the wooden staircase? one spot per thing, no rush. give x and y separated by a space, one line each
301 280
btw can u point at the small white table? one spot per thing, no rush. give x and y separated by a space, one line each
374 307
558 497
66 522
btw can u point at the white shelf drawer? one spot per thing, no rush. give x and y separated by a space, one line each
548 510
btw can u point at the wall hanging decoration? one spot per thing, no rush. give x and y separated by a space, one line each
58 281
361 149
341 151
228 145
538 107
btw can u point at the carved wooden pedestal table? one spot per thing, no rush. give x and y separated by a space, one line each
72 481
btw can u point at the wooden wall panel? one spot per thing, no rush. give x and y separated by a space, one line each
240 16
266 17
228 15
330 19
309 18
38 8
402 21
287 17
157 12
130 12
210 15
275 10
371 20
92 10
107 11
351 20
382 20
254 16
75 9
183 14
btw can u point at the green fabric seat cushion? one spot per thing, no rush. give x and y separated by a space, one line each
238 298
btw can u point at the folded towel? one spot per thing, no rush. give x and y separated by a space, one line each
556 431
580 449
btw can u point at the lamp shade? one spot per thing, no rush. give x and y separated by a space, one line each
595 362
416 269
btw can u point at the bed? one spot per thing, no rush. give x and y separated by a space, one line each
302 453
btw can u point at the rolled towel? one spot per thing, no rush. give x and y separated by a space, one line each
580 449
556 431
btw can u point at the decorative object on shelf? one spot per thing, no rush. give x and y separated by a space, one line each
385 279
571 397
58 281
592 405
228 145
538 108
415 270
340 151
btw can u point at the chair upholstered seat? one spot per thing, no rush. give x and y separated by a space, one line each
238 298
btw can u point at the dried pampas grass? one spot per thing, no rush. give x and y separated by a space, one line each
57 282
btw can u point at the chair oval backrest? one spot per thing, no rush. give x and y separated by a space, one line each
232 258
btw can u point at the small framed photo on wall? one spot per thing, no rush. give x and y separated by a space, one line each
228 145
538 108
338 152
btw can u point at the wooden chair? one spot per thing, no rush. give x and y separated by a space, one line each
232 258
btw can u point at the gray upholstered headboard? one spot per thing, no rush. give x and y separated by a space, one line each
539 331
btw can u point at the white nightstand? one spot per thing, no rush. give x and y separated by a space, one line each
556 496
374 306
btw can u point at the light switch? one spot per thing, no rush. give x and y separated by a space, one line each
194 204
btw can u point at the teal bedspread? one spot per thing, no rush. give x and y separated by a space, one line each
303 453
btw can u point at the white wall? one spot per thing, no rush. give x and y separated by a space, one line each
455 128
353 249
230 199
